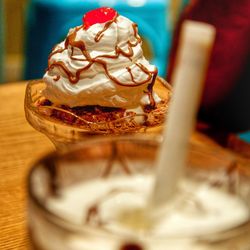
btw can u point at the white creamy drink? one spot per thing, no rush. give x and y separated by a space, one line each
91 199
119 205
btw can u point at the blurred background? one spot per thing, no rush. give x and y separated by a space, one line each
12 36
30 28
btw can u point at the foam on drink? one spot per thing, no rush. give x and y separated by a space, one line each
119 205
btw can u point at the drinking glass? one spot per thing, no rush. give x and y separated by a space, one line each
63 215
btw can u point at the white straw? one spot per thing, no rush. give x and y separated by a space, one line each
192 62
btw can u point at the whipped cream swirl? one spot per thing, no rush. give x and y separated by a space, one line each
103 65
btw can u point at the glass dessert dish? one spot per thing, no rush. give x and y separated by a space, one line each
97 82
92 198
69 127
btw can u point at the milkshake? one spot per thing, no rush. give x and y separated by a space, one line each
98 82
83 200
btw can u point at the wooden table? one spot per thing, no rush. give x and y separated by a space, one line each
20 146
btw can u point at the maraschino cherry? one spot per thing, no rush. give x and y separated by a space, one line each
100 15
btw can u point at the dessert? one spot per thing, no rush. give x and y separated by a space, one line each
98 80
194 213
75 203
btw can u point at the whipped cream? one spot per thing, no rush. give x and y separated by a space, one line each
103 65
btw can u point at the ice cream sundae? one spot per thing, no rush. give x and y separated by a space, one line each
98 80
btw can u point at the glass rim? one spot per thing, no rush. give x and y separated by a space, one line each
66 225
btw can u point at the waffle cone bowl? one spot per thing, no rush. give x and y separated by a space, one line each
64 125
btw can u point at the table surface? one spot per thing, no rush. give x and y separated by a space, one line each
20 146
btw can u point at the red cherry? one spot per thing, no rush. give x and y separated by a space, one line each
100 15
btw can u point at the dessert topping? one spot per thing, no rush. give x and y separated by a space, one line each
100 15
101 63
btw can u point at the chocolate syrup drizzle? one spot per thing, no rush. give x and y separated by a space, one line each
74 78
